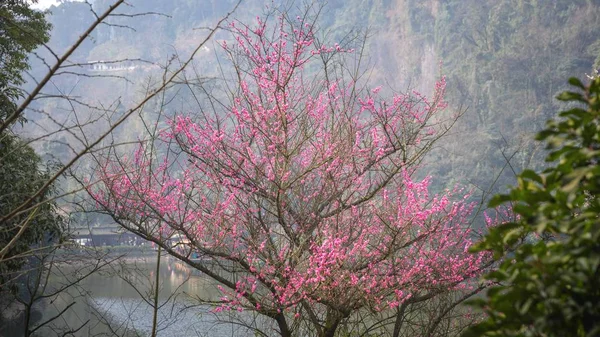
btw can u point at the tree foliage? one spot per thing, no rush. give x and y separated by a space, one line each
550 284
22 29
21 174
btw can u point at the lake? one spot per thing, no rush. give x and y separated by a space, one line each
118 302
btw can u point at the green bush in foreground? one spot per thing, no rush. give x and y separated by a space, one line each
548 283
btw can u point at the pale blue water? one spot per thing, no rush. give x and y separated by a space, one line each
109 305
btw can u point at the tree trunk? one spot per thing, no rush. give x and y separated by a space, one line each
329 331
284 329
399 319
332 321
156 289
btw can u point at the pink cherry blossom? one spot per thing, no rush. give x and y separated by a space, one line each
303 190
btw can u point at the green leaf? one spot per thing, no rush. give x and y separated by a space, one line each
568 96
498 200
531 175
574 81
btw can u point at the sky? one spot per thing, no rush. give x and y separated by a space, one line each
44 4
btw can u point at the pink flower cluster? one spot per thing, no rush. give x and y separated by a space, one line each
303 185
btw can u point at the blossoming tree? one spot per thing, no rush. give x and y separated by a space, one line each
298 197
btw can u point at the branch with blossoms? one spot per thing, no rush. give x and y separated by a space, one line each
300 196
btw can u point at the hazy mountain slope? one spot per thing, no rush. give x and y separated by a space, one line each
505 60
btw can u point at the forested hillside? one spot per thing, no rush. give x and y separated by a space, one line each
504 60
507 60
